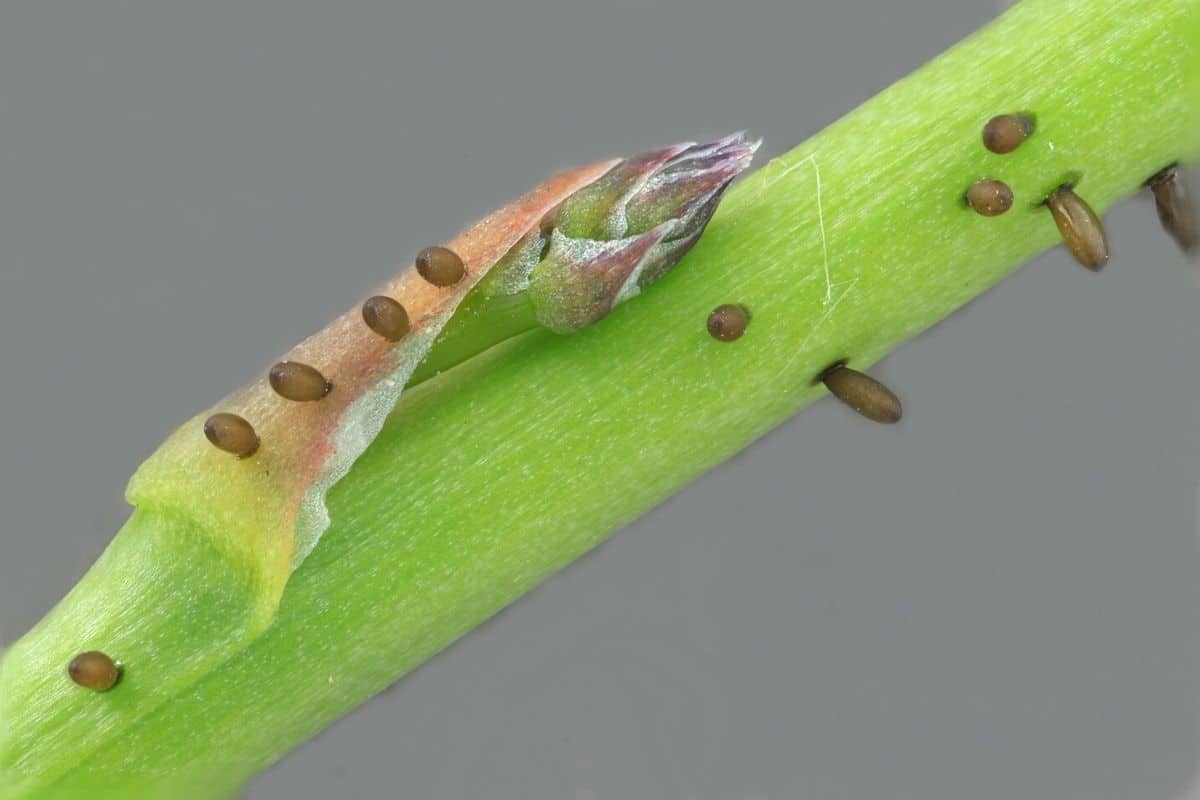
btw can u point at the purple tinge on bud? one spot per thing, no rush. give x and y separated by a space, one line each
629 227
596 211
694 178
581 279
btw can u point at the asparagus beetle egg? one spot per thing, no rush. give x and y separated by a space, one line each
94 670
728 322
1176 211
990 198
292 380
1081 229
386 317
440 266
231 433
863 393
1004 133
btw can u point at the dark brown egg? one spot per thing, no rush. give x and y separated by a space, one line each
728 322
1176 211
1004 133
863 393
94 670
386 317
990 198
1081 229
292 380
440 266
231 433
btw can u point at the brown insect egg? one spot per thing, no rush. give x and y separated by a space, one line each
292 380
1004 133
94 670
728 322
386 317
231 433
863 393
990 198
1081 229
1176 211
440 266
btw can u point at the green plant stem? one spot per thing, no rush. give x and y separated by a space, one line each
481 323
498 472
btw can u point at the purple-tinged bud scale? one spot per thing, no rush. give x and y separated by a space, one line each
619 234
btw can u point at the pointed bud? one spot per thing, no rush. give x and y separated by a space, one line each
627 229
581 279
691 180
597 211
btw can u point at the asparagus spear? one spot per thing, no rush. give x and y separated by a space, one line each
496 473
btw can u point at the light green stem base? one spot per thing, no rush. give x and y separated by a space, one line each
495 474
480 324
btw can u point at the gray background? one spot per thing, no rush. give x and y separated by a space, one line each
995 599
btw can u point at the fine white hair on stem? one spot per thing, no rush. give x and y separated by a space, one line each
812 159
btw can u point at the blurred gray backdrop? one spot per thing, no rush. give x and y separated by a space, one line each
995 599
